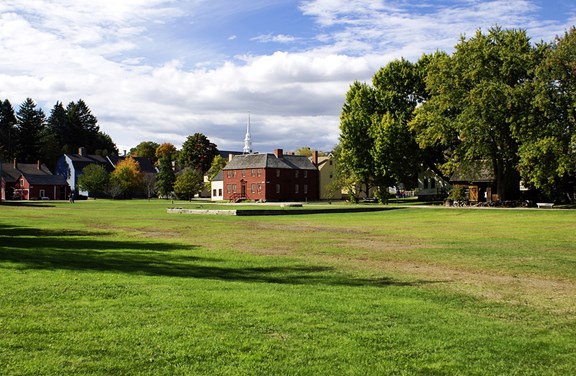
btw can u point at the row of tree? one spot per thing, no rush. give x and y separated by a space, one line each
180 172
28 135
498 99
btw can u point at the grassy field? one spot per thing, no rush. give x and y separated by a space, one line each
104 287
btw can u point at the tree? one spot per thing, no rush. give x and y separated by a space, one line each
477 98
30 124
7 130
94 180
166 150
355 137
197 153
218 163
146 149
127 176
547 152
165 177
188 184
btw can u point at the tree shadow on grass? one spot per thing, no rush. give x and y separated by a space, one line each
39 249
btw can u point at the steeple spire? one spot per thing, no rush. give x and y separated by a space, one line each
248 138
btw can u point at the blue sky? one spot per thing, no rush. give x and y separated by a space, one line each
160 70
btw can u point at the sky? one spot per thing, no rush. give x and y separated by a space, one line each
162 70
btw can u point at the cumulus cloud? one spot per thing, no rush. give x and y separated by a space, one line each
124 59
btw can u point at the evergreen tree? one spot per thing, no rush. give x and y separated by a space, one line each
165 177
30 125
7 130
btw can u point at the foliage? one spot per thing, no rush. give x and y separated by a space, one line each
547 154
127 177
146 149
165 177
304 151
197 153
30 125
458 193
7 130
166 150
356 142
477 98
218 163
94 179
188 183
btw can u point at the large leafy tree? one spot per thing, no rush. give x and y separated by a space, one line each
127 176
356 140
197 153
94 179
146 149
188 184
7 130
548 135
477 99
166 150
30 125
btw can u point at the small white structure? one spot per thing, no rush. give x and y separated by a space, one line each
217 188
432 186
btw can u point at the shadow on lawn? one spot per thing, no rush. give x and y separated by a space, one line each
31 248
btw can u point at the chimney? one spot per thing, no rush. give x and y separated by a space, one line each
82 151
279 153
38 164
15 164
315 157
230 156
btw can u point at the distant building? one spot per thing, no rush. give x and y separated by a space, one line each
270 177
24 181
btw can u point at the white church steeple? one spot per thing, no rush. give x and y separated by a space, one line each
248 139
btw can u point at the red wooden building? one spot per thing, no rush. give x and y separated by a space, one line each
27 181
271 177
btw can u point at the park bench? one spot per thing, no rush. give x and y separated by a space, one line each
544 204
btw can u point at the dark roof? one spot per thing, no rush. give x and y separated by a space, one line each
249 161
474 172
11 174
81 161
218 177
46 179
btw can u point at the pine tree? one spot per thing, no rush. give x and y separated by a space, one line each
30 124
7 130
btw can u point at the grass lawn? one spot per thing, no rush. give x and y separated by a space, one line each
123 287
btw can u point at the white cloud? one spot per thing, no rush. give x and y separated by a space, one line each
118 57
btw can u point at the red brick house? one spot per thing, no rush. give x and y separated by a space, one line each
24 181
271 177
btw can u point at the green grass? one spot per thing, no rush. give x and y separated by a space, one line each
123 287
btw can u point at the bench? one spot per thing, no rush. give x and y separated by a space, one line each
544 204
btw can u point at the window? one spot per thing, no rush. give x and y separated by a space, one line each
432 183
259 172
277 173
305 189
330 162
42 193
21 183
214 192
305 174
228 188
234 173
296 189
253 188
233 188
243 173
425 183
259 187
296 173
277 188
227 174
220 192
253 173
